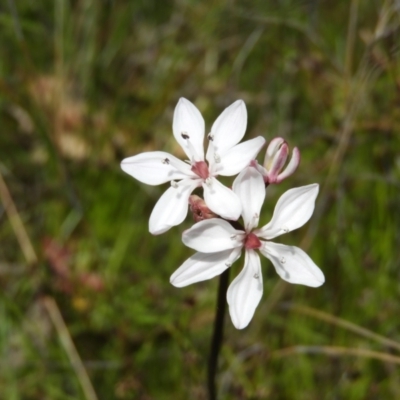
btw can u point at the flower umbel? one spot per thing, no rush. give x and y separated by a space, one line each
224 157
219 244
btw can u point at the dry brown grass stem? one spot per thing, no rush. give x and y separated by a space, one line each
16 21
69 347
351 35
335 351
59 88
16 223
331 319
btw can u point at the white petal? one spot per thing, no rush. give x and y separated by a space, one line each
221 200
260 168
172 207
246 290
293 210
230 127
250 187
238 157
189 121
212 235
293 265
201 267
156 167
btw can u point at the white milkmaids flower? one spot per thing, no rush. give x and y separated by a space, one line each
224 157
219 244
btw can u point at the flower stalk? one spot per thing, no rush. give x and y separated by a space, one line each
218 333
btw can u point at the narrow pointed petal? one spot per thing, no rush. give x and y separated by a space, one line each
230 127
293 265
277 163
210 155
188 121
272 148
261 170
221 200
172 207
238 157
201 267
245 291
156 167
212 235
293 210
250 188
291 167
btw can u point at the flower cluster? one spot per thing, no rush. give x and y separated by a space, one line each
217 236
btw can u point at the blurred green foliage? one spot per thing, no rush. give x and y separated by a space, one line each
85 83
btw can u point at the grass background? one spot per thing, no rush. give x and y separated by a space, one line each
85 83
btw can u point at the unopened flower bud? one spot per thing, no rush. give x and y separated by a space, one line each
276 155
199 209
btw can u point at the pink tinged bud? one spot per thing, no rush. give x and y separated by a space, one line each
275 159
291 167
278 162
252 242
199 209
200 168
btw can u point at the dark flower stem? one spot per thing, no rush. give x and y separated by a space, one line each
218 334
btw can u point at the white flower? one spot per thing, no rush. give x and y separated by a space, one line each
224 155
219 244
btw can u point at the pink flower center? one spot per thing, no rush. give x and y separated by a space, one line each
200 168
252 241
